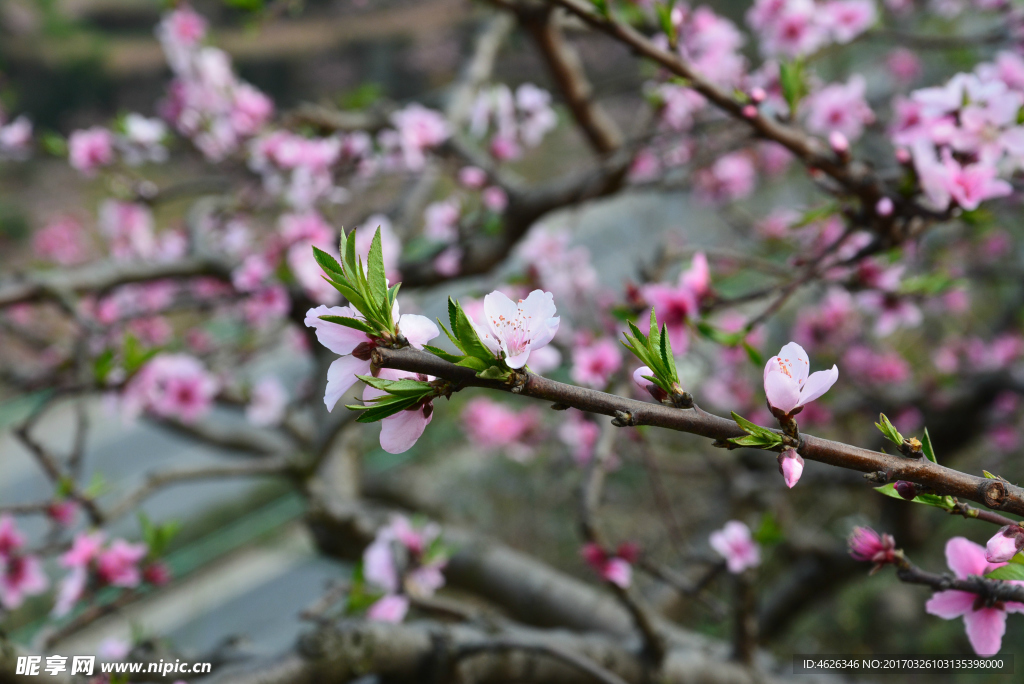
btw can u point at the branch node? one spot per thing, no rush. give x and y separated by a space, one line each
623 419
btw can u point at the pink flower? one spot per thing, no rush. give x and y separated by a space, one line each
20 576
786 383
495 199
985 625
615 568
791 466
354 347
1004 544
840 108
90 149
389 608
268 403
400 431
441 220
118 564
61 242
11 539
517 328
493 425
580 435
870 547
968 185
70 591
16 139
172 386
128 227
903 65
418 129
847 19
730 178
735 544
472 177
83 551
595 362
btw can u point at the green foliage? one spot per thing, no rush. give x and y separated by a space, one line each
157 537
757 436
366 289
946 503
362 96
475 353
928 448
769 533
655 351
794 83
889 430
1014 570
399 395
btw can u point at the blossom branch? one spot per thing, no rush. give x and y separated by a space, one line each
885 467
992 590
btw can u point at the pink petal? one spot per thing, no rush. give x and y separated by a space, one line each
618 572
795 354
985 629
539 308
517 361
417 329
782 391
792 465
950 604
497 306
341 376
389 609
399 432
338 338
819 383
964 557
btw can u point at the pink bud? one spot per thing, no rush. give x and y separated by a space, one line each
1006 543
791 466
750 111
840 145
908 490
758 95
618 572
640 380
472 177
884 207
902 155
868 545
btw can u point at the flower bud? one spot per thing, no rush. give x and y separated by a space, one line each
908 490
867 545
840 145
884 207
791 466
1006 544
903 155
758 95
749 111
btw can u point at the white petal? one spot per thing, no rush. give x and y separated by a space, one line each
341 376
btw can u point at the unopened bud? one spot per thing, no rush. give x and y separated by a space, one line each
791 466
758 95
884 207
903 155
840 145
907 490
1006 544
749 111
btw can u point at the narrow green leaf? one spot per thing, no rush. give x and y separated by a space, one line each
452 317
754 429
757 441
441 353
348 322
327 262
376 277
471 343
494 373
927 448
474 363
451 337
350 254
943 502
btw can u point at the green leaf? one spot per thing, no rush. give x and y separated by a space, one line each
451 337
794 87
401 388
992 476
103 365
1018 559
375 274
768 532
889 430
1011 571
348 322
758 441
327 262
494 373
453 317
944 502
385 406
755 356
754 428
927 448
441 353
468 337
473 362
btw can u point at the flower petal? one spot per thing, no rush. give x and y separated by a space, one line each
497 308
794 355
338 338
964 557
418 329
341 376
819 383
399 432
782 391
985 629
950 604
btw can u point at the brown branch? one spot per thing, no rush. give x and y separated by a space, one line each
992 493
102 276
564 655
567 71
991 590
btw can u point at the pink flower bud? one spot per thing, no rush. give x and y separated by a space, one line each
908 490
750 111
791 466
840 145
903 155
472 177
870 546
758 95
1006 543
884 207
